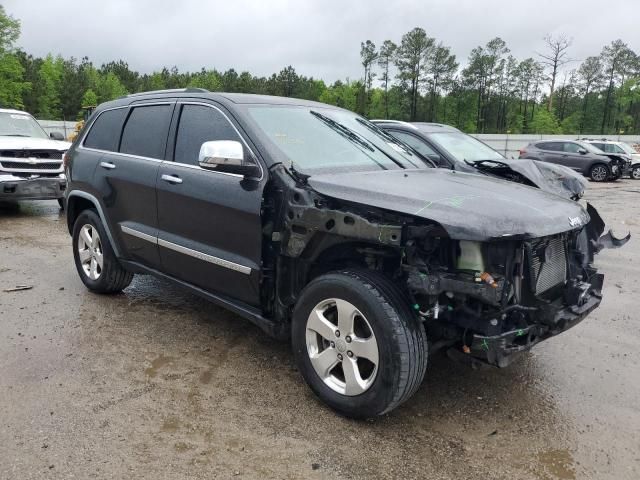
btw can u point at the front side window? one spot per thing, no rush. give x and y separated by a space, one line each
199 124
323 140
570 147
414 142
105 131
20 125
145 133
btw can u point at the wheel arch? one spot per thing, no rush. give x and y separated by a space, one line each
79 201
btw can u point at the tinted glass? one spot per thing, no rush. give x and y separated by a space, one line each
199 124
414 142
599 145
570 147
553 146
145 133
105 132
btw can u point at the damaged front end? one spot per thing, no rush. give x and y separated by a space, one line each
486 302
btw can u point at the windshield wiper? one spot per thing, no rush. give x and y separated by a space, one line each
14 135
344 131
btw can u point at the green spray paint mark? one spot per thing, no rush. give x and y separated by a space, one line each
427 205
485 345
520 333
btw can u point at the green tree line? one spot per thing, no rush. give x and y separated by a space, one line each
417 78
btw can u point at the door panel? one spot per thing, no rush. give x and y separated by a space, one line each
127 180
210 228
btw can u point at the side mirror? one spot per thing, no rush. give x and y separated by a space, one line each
582 151
56 136
227 156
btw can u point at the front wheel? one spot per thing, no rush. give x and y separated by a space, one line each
635 172
599 172
95 259
357 343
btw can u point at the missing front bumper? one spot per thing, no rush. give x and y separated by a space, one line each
500 350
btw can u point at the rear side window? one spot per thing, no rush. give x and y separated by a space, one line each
553 146
145 133
105 131
199 124
599 145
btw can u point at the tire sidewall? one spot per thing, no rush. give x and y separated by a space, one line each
635 169
90 217
378 395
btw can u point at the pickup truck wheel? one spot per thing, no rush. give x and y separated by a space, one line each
357 343
95 260
635 172
599 172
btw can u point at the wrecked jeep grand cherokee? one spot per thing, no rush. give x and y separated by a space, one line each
320 228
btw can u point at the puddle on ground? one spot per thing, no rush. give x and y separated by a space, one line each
558 463
170 425
206 376
157 363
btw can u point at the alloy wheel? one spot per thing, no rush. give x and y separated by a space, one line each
90 251
635 173
599 173
342 347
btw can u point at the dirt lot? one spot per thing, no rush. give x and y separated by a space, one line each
156 383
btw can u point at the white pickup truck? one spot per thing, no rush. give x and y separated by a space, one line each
30 160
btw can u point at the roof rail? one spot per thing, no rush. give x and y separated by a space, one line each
399 122
170 90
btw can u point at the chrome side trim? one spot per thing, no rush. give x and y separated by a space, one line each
203 256
136 233
187 251
96 203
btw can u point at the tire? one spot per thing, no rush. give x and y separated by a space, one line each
110 277
397 333
635 172
61 203
599 172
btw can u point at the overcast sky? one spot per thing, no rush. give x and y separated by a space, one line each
319 38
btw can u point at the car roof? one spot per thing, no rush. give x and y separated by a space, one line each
424 127
222 97
11 110
597 140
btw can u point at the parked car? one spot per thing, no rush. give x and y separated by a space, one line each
30 160
579 156
624 150
320 228
448 147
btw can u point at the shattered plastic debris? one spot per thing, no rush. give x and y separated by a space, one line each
18 288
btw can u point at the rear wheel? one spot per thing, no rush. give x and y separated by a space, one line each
357 343
95 260
635 172
599 172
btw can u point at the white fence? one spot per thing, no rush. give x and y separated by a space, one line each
509 145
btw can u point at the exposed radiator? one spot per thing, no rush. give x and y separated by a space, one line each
547 264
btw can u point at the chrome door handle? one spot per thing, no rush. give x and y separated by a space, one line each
171 178
107 165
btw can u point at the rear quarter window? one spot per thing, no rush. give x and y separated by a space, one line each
145 133
552 146
105 131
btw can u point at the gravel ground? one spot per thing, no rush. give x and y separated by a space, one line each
156 383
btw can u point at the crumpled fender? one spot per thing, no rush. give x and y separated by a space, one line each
594 235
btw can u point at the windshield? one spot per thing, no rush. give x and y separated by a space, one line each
464 147
627 148
323 140
20 125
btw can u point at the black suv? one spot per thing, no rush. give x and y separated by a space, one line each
317 226
579 156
